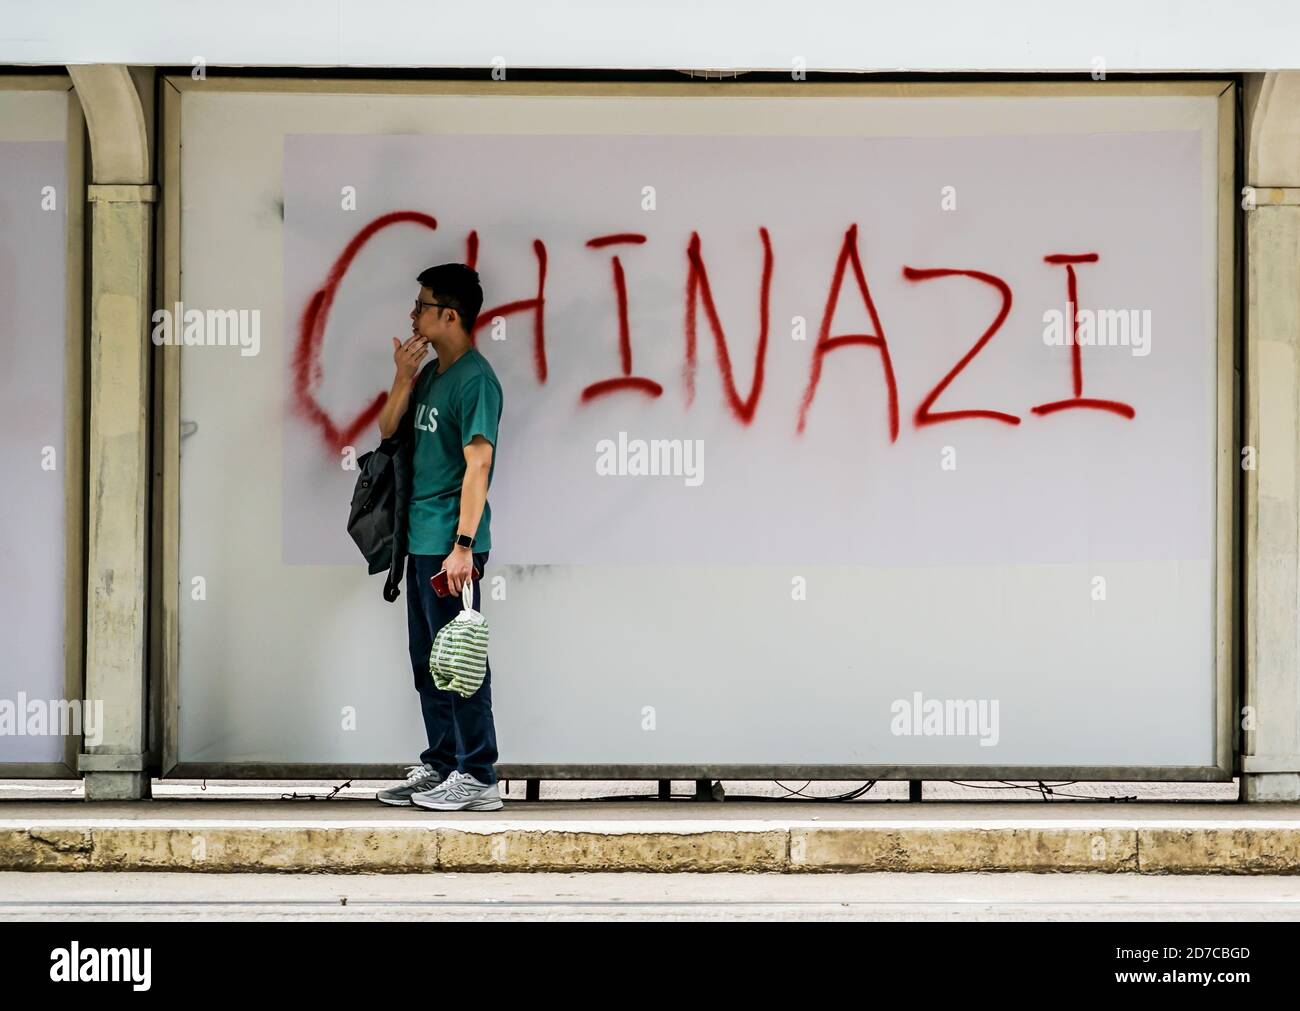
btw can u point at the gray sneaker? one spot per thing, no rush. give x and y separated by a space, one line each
461 792
418 777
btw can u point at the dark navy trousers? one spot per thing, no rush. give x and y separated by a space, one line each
461 732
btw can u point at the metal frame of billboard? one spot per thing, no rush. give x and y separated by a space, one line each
74 419
165 609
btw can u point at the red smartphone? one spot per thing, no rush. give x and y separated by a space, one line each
439 581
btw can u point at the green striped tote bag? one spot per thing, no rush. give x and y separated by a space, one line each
458 659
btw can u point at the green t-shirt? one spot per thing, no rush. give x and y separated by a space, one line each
450 409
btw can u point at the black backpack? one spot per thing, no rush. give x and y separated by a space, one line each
373 515
381 499
378 514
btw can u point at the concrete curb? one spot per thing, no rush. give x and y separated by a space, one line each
208 844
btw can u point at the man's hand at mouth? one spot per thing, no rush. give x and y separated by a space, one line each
407 359
409 356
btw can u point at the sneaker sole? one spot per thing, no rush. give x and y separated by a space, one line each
394 801
473 805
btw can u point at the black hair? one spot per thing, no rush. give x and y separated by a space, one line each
456 285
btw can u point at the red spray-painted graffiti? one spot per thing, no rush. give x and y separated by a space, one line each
311 329
826 343
535 305
923 415
626 381
697 288
1076 352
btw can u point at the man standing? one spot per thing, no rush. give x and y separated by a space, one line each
455 408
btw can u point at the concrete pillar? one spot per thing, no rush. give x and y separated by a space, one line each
1270 761
116 103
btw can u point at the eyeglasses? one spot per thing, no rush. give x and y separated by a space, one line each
421 305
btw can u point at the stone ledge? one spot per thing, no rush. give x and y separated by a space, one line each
207 845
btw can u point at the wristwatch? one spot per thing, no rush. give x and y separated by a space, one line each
464 541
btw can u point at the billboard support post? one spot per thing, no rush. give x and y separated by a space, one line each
122 196
1270 727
